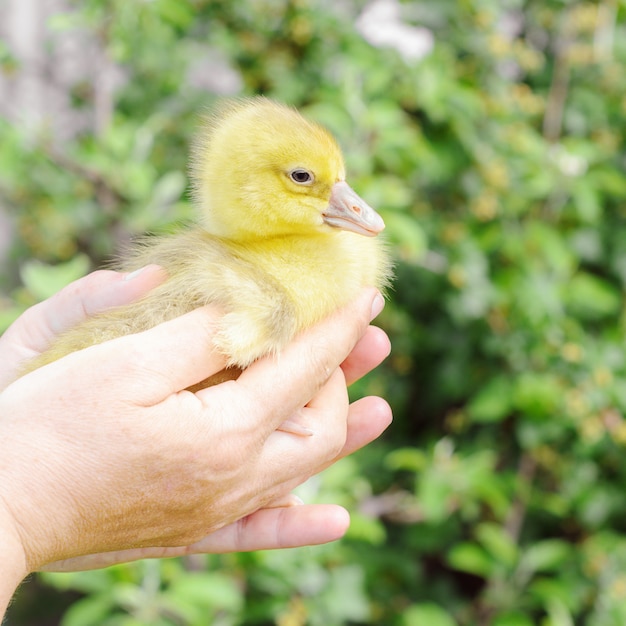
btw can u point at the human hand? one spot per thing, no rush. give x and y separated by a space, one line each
34 330
280 524
182 427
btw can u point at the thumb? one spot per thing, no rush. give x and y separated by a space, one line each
83 298
149 366
34 330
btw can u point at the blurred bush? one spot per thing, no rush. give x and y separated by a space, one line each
490 135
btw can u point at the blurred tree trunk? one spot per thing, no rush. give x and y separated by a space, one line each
50 66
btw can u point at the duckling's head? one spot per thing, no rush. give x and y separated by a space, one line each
261 170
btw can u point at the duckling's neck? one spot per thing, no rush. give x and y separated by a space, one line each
287 257
320 271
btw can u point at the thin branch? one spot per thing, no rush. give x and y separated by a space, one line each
517 513
559 87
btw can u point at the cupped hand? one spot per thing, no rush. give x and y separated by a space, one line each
117 459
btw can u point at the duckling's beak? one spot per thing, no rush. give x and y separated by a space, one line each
348 211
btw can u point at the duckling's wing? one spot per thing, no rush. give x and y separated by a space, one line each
202 270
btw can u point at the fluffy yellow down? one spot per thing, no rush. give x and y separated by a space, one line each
281 239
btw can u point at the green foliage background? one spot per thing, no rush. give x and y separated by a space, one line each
497 497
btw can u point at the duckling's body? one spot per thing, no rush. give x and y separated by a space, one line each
271 249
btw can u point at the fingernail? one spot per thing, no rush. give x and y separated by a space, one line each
377 305
134 274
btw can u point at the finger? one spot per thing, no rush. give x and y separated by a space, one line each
87 296
280 385
146 368
99 291
266 529
338 431
32 333
368 418
152 365
288 460
371 350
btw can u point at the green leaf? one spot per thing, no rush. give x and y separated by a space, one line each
499 545
551 592
410 459
427 614
434 494
43 280
559 613
513 619
547 555
178 13
592 298
386 193
345 598
407 237
552 247
167 189
93 582
537 394
471 558
209 589
368 529
89 611
493 402
587 201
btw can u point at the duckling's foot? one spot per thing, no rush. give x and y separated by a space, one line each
229 373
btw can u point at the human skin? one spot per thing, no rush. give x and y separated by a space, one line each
111 460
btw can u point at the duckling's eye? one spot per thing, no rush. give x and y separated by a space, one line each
301 176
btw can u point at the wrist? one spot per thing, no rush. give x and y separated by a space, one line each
13 567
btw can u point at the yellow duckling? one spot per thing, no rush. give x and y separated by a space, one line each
281 242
